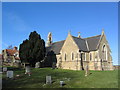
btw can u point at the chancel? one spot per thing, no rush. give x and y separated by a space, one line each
76 52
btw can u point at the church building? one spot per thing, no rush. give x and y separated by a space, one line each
76 53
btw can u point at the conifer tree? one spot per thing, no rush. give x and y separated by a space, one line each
32 50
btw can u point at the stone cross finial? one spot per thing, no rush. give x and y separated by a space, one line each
102 31
78 34
69 32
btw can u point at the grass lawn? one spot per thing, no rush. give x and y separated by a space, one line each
73 79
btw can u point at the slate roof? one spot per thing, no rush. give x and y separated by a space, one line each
84 44
56 47
93 42
81 43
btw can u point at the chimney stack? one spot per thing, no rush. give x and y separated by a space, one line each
15 48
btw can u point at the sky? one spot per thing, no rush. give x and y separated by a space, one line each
88 18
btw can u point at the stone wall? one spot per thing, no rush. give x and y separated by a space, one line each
70 54
108 61
70 57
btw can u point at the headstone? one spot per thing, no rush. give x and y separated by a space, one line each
1 72
18 64
86 70
10 74
48 80
61 83
27 69
54 65
4 69
17 75
37 65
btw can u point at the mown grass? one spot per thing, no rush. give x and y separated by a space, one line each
73 79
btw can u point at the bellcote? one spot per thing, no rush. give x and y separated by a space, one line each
49 39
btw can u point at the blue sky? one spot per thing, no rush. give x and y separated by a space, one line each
19 19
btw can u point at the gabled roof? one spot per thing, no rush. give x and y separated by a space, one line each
11 52
84 44
56 47
93 42
81 43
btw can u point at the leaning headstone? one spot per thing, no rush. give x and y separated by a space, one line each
10 74
48 80
37 65
4 69
86 70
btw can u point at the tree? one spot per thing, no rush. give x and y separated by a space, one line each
32 50
50 59
24 51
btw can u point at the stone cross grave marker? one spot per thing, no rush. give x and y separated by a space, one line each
86 70
10 74
37 65
48 80
4 69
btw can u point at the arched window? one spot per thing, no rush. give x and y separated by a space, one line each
65 56
83 56
72 56
90 56
76 56
103 48
96 54
104 52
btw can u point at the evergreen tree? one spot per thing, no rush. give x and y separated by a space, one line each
33 49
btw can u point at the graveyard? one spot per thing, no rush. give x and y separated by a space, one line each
70 78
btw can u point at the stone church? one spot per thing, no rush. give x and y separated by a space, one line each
76 53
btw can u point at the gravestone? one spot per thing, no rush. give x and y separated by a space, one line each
27 70
10 74
37 65
48 80
86 71
4 69
61 83
18 64
53 65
